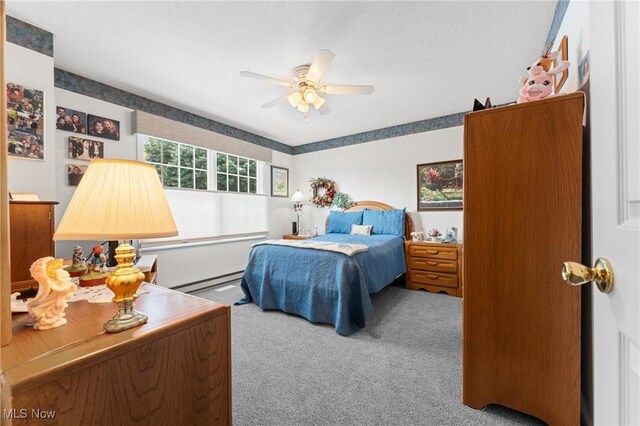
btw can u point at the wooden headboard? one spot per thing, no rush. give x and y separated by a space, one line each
376 205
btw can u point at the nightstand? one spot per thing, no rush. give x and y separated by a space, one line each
295 237
434 267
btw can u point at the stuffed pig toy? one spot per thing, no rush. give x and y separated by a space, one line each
539 85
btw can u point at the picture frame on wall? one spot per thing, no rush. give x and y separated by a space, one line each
75 172
70 120
279 181
102 127
85 149
25 122
440 185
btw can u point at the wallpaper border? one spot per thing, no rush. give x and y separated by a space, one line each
29 36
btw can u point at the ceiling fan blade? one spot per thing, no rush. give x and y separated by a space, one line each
320 65
266 78
347 90
275 101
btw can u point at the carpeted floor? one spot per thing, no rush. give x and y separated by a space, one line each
403 368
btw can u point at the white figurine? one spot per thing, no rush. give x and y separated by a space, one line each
55 288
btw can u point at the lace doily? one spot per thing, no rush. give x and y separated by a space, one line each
98 294
95 294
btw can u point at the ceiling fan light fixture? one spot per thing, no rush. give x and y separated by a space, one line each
317 104
303 106
294 99
310 95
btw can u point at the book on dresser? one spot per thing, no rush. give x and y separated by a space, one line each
434 267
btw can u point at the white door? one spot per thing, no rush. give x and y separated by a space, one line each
615 122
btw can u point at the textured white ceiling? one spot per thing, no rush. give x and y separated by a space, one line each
425 59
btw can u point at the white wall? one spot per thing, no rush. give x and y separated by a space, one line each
33 70
575 26
384 170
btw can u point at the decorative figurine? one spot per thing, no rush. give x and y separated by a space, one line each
78 266
55 288
418 236
97 272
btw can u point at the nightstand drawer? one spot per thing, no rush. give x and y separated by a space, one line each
444 252
429 264
434 278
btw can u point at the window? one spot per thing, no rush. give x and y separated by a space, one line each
231 201
179 165
236 174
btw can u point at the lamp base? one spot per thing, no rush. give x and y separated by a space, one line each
124 283
126 318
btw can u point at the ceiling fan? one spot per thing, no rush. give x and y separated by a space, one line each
306 85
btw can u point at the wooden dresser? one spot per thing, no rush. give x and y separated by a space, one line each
435 267
522 220
32 224
174 370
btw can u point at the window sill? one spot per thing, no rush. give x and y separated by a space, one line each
187 244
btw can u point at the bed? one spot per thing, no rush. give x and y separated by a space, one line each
326 286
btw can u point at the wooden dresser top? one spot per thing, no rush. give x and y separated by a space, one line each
32 354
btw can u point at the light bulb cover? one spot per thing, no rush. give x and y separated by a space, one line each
317 104
294 99
310 95
303 106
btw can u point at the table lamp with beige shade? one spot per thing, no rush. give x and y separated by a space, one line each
119 200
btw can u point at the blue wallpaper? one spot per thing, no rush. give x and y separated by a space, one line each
561 9
29 36
385 133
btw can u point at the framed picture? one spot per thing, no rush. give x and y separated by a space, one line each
440 185
279 182
103 127
85 149
559 79
583 69
25 122
75 173
70 120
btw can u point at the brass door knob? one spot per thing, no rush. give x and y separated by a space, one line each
577 274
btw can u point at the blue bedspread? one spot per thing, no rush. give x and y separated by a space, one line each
323 286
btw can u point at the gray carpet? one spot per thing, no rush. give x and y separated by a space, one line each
403 368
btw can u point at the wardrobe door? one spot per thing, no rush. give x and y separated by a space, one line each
522 220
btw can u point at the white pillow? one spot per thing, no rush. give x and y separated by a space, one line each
361 229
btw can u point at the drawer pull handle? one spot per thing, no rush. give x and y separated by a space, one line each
433 277
433 251
433 263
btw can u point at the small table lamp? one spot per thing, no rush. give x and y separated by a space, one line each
119 200
297 200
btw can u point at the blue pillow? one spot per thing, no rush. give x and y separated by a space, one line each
340 222
385 222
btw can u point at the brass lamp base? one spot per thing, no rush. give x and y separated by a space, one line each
126 318
124 283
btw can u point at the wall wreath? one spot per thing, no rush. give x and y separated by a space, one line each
323 191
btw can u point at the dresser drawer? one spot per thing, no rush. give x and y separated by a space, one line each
429 264
434 278
443 252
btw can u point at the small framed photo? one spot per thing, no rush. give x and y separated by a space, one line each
71 120
75 173
279 182
440 185
103 127
85 149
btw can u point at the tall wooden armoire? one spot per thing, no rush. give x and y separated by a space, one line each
522 220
